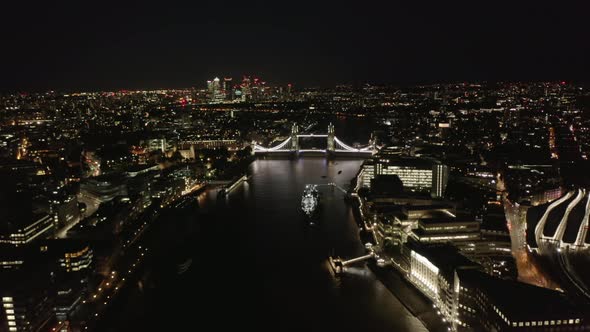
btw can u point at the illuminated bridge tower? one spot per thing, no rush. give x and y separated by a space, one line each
373 143
331 143
294 138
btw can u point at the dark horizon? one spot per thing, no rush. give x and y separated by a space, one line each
78 47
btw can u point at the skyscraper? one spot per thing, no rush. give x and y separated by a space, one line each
216 94
246 89
227 88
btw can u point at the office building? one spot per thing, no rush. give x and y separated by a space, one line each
432 269
64 208
485 303
103 188
71 262
215 91
416 174
27 304
442 227
154 144
228 88
23 230
467 299
231 144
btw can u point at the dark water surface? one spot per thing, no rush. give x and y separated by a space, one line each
258 265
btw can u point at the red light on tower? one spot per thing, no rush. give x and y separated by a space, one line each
562 82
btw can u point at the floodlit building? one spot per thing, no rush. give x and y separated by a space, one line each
431 271
416 174
445 227
215 90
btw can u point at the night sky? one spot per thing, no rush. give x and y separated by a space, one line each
90 45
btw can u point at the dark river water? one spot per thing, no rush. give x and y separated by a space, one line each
257 263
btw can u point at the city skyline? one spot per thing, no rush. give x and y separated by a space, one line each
418 202
294 166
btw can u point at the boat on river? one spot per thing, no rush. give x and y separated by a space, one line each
310 200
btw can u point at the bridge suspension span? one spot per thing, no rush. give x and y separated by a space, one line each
335 145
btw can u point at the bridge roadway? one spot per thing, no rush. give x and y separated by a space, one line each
334 144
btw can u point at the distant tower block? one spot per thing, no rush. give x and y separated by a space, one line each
331 143
294 138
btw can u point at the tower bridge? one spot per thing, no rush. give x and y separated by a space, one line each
334 145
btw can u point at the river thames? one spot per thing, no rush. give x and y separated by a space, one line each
257 262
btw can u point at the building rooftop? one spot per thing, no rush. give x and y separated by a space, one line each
440 217
520 301
16 223
444 256
408 161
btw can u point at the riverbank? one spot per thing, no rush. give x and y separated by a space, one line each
393 279
254 256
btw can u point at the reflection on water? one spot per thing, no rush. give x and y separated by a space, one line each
257 261
295 284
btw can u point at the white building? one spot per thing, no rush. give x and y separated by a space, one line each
416 174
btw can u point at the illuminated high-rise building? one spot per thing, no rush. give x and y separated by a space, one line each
246 89
215 91
227 88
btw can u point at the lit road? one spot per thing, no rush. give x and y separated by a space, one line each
529 268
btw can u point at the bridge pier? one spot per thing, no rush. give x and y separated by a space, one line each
294 138
331 143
